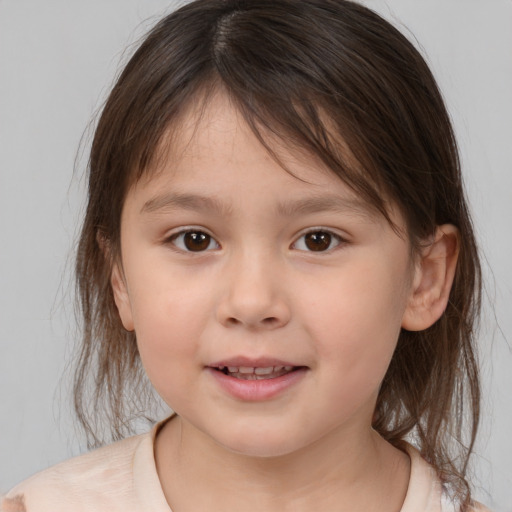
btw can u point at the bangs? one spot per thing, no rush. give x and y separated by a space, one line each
299 126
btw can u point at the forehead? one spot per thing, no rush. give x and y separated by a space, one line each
211 152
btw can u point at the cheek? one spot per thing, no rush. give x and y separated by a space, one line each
169 316
356 323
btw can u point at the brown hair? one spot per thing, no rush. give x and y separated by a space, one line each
309 73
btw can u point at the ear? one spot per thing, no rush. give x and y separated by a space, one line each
117 281
432 280
121 297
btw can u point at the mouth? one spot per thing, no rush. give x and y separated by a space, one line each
256 372
256 379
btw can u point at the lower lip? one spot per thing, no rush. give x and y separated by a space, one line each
257 390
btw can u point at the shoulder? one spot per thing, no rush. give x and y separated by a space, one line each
447 505
426 493
79 483
478 507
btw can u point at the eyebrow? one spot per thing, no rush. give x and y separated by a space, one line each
194 202
330 202
209 204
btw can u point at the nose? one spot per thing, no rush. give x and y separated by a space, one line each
254 295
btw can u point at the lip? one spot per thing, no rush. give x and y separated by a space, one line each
256 390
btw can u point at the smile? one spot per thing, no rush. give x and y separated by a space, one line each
256 380
255 373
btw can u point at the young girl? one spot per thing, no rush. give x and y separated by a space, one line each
277 236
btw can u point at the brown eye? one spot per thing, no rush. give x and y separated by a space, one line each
317 241
194 241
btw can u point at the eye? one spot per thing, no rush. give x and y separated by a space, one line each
317 241
194 241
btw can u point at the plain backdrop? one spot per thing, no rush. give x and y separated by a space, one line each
57 62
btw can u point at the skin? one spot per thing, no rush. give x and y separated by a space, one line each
259 291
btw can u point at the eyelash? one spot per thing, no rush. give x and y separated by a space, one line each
207 238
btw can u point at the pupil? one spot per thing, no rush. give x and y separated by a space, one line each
196 241
318 241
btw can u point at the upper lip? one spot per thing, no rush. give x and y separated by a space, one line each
247 362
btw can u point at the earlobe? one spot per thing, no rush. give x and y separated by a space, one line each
432 280
121 297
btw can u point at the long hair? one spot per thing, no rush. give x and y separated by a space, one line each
323 76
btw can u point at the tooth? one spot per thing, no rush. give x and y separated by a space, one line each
278 368
263 371
233 369
288 368
246 369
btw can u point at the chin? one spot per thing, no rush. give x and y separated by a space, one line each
259 442
259 449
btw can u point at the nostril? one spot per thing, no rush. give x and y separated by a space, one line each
267 322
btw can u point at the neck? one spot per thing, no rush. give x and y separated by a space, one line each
362 472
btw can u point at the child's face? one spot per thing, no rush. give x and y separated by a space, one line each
228 260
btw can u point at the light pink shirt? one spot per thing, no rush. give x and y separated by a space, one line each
122 477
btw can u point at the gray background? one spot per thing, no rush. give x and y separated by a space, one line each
57 61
